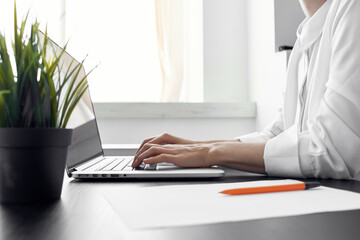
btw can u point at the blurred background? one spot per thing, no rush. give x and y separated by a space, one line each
196 68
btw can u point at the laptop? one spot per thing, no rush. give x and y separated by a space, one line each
86 158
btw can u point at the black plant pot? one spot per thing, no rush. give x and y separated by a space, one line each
32 163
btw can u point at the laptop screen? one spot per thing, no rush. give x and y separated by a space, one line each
86 142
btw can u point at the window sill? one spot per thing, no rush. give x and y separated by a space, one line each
176 110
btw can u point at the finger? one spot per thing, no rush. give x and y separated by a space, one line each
156 140
180 160
162 139
168 148
164 157
144 142
151 152
146 147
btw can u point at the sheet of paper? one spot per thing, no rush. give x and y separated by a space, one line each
168 206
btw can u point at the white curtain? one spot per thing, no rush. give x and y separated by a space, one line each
170 36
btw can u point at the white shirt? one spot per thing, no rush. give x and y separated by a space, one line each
317 133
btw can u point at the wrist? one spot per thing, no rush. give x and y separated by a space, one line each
243 156
215 154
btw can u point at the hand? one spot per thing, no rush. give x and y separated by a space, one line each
163 139
170 139
243 156
182 155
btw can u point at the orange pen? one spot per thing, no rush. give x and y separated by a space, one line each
270 189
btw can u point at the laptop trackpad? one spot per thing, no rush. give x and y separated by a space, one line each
166 166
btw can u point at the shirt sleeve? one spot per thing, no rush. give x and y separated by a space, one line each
330 146
272 130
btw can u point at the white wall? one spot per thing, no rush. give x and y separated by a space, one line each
225 67
225 50
132 131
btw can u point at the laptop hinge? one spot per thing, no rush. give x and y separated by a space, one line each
69 171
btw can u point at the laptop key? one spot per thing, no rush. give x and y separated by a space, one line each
113 164
121 165
130 161
104 163
99 165
89 164
127 168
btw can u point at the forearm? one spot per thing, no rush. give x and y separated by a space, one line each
243 156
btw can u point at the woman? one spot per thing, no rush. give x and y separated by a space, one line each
317 133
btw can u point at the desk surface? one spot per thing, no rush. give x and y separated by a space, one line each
83 213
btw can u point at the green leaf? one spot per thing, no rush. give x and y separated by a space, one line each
31 98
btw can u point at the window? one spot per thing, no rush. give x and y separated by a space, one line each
46 12
151 51
122 35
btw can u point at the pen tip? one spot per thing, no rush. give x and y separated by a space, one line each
312 185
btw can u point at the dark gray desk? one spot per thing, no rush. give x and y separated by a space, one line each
83 213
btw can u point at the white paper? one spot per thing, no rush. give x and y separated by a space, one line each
182 205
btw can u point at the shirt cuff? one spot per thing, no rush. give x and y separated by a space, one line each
254 137
281 155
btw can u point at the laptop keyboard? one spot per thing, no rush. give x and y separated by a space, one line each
116 164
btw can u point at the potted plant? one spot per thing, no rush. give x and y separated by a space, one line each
37 98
